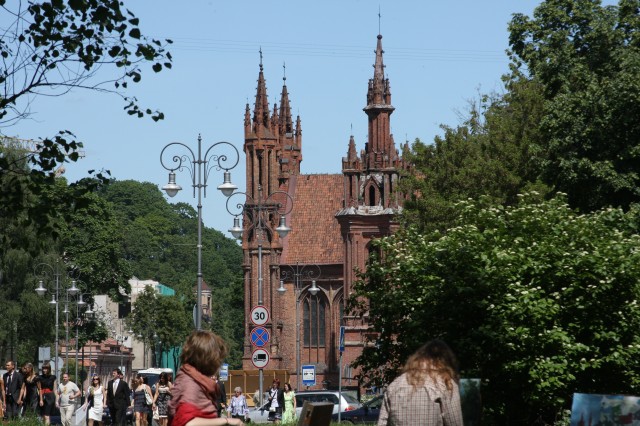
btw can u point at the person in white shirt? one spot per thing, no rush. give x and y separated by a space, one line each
66 395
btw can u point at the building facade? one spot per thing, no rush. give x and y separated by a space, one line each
333 218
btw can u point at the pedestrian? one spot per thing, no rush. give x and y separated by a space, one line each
238 406
13 390
194 395
276 402
2 398
118 398
257 400
289 408
426 393
162 397
96 401
29 394
139 403
47 393
222 395
66 399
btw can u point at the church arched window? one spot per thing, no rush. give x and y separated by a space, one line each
314 315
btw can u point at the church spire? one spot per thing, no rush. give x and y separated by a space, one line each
379 93
261 110
290 141
286 121
379 148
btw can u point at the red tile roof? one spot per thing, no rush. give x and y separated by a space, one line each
315 236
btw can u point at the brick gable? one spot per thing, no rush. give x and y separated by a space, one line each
315 237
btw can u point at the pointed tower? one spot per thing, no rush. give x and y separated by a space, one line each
272 148
290 139
261 143
370 180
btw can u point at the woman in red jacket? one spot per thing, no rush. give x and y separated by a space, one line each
194 393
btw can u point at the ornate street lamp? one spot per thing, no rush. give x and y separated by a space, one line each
50 276
256 217
199 167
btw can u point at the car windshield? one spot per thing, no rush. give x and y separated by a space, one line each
350 399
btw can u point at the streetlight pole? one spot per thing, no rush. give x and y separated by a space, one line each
118 332
71 292
300 274
80 303
42 270
254 212
199 178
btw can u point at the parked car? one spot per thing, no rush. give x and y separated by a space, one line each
348 403
153 375
368 413
258 414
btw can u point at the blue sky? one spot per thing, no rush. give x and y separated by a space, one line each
438 56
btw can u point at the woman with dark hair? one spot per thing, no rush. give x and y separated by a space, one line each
427 391
194 394
139 402
47 394
97 400
29 394
276 402
162 397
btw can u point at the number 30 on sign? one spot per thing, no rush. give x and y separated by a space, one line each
259 315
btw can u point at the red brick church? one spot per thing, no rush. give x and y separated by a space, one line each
333 219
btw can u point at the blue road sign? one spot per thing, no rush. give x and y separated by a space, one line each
309 375
341 344
259 337
224 372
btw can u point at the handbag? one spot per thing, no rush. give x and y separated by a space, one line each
156 414
148 396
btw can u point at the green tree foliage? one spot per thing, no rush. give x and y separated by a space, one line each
546 303
92 237
586 58
162 322
160 243
488 154
50 48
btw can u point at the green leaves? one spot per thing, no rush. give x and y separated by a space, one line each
62 32
585 57
536 299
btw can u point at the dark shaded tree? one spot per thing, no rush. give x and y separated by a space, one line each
586 58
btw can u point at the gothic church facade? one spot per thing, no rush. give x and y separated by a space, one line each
333 218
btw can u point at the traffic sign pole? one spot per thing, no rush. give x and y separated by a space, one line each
260 337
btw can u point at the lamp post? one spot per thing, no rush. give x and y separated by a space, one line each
44 270
73 295
299 275
199 167
256 217
119 334
88 314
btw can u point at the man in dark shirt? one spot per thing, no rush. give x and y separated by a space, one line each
118 398
222 395
12 387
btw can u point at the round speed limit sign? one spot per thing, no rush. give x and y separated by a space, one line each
259 315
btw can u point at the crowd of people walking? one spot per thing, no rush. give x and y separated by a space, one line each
24 393
426 392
